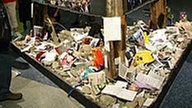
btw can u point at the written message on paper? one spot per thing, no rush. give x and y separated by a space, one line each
112 28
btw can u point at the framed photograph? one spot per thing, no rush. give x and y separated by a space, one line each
38 31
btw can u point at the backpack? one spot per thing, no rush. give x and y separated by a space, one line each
5 29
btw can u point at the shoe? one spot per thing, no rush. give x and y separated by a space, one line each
20 65
11 96
15 73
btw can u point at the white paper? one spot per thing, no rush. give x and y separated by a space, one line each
156 76
26 48
96 78
112 28
50 57
127 94
77 36
158 35
111 90
122 71
125 72
173 29
119 92
121 84
41 47
146 79
148 102
117 60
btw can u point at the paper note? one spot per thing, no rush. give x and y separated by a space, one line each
96 78
127 94
173 29
125 72
119 92
122 71
111 90
148 102
49 57
121 84
156 76
112 28
146 79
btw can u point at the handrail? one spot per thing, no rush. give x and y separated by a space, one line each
90 14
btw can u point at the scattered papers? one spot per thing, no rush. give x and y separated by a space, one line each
150 80
145 73
119 92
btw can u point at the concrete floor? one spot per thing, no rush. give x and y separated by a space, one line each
38 95
38 92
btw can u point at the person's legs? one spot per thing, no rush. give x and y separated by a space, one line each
11 10
5 72
5 78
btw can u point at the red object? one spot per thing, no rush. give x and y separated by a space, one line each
8 1
39 56
150 24
57 50
87 41
98 58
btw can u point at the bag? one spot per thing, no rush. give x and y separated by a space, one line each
5 29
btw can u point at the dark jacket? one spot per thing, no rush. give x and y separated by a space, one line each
5 29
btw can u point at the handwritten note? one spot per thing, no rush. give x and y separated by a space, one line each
112 28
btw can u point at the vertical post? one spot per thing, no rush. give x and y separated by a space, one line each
120 45
111 57
115 8
158 14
